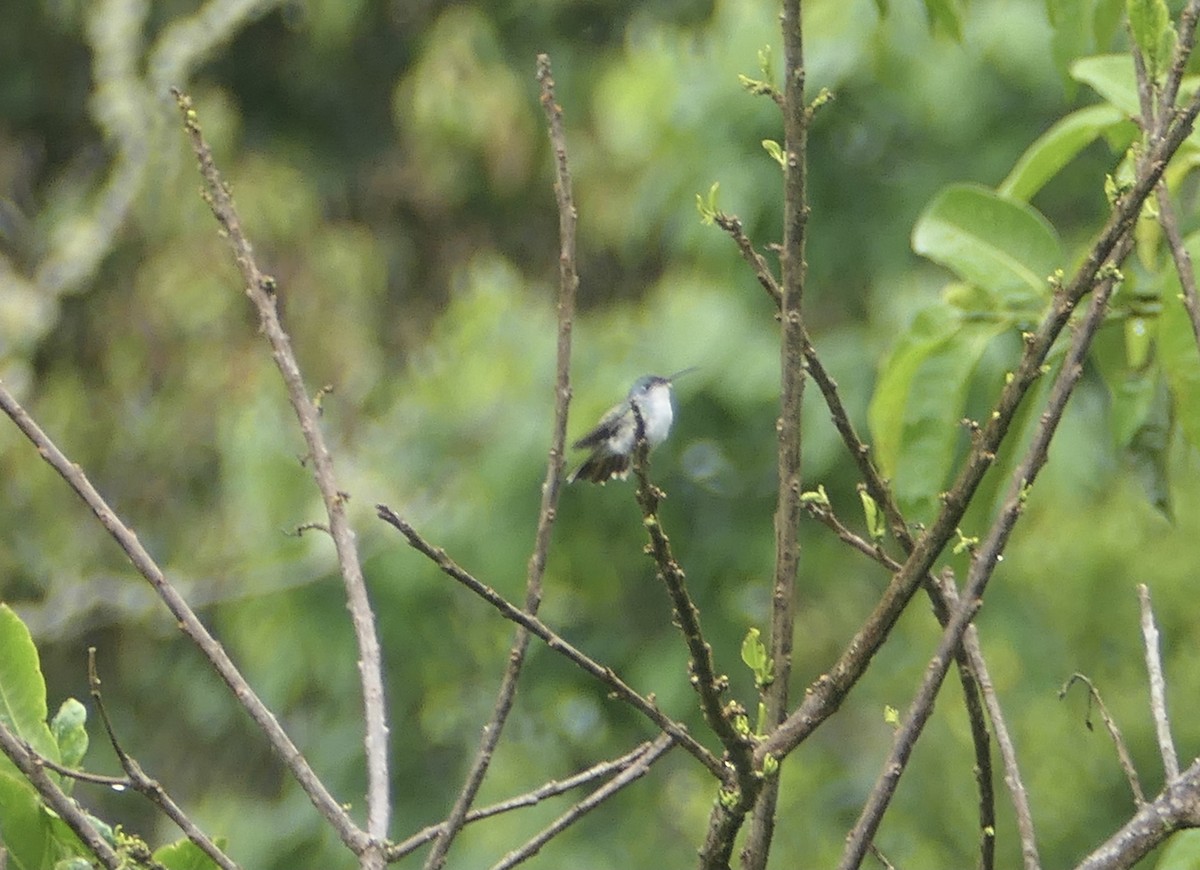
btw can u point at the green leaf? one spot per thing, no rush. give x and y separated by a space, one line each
876 524
885 415
1073 35
1150 22
754 654
920 399
1112 77
999 244
708 206
22 687
24 825
1179 356
183 855
68 728
944 15
1107 19
1182 852
1149 446
1132 394
1058 146
775 150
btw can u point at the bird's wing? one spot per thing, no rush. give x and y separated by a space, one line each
605 429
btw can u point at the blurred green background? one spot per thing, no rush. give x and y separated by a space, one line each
391 166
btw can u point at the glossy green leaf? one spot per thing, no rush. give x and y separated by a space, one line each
997 243
22 687
1058 146
920 400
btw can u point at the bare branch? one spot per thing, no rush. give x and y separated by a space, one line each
631 774
396 851
261 290
29 763
1008 752
568 283
539 629
1176 808
1158 687
793 339
189 624
144 785
733 225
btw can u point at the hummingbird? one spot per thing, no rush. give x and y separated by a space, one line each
614 438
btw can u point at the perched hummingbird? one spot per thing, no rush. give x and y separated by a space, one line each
613 440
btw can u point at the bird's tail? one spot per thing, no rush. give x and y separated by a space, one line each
602 467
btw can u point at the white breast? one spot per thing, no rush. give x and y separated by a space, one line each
657 414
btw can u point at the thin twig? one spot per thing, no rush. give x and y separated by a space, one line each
145 785
29 763
1169 221
702 670
739 784
762 271
555 642
881 858
568 284
1158 687
631 774
116 783
983 565
1008 753
261 289
1123 756
396 851
189 624
823 513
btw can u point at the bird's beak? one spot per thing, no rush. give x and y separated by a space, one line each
680 374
